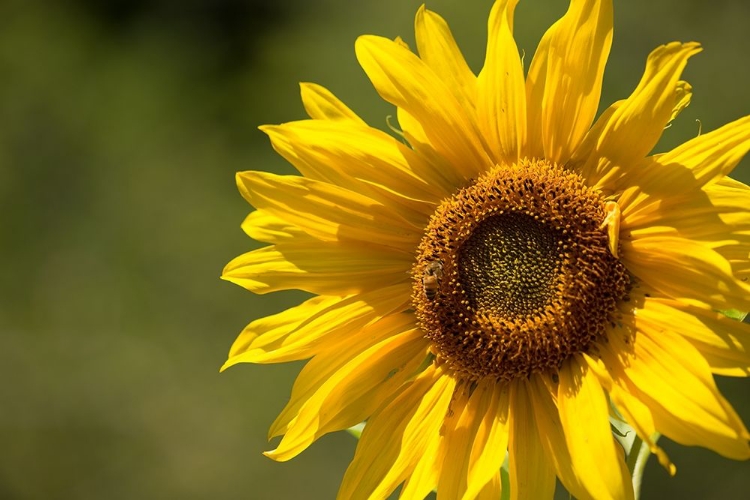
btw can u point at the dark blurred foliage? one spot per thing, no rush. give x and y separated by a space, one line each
121 126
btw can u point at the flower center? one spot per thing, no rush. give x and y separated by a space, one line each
514 274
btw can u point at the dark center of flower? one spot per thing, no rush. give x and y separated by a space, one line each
510 265
514 274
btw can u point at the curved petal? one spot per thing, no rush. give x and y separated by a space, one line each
424 478
327 212
303 331
446 176
501 99
262 226
580 398
455 446
623 137
565 79
635 413
716 216
670 376
694 164
724 342
406 81
552 436
685 269
342 387
438 49
321 104
324 268
476 439
355 157
531 473
397 435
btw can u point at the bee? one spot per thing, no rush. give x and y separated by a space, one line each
433 273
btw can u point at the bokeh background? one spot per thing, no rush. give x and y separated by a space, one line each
122 123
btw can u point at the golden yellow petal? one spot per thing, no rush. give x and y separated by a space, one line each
623 137
446 176
724 342
438 49
552 436
397 435
716 216
325 268
565 79
490 442
351 155
262 226
424 478
501 98
321 104
580 398
311 327
531 474
457 439
686 269
406 81
684 95
326 211
712 155
671 377
696 163
363 160
493 489
635 413
341 388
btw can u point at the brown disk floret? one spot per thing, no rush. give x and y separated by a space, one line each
514 274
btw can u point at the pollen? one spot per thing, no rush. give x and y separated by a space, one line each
527 277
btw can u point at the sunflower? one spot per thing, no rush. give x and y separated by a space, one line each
508 273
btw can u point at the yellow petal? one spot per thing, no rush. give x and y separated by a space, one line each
684 95
262 226
447 177
458 435
633 127
580 399
490 443
406 81
686 269
671 377
424 478
724 342
321 104
476 442
343 387
302 331
531 473
438 49
501 100
635 413
565 78
696 163
397 436
712 155
325 268
552 437
326 211
493 489
356 157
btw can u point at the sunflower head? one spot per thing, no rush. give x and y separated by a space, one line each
514 274
510 274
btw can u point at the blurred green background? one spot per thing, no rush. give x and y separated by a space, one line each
121 126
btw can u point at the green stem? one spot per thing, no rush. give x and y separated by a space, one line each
637 464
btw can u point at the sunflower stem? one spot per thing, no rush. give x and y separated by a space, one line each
637 464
